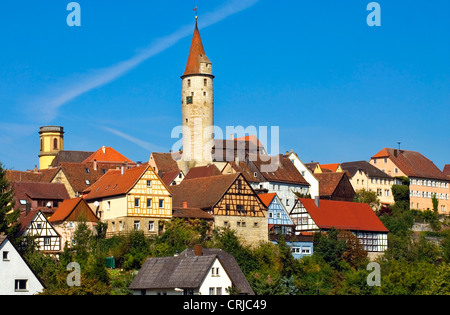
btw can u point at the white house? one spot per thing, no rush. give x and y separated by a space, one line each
192 272
16 276
306 173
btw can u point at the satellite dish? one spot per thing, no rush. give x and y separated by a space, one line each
96 204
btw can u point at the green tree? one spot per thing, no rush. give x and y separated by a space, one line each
330 247
8 214
435 203
369 197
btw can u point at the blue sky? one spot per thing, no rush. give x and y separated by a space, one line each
338 89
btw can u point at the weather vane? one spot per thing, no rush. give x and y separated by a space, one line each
195 10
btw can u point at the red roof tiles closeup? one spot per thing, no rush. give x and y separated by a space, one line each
343 215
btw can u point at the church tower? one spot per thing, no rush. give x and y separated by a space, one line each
197 106
51 142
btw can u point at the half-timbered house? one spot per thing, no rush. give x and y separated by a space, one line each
230 200
34 223
69 214
278 217
131 199
314 215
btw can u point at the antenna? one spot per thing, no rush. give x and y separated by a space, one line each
398 145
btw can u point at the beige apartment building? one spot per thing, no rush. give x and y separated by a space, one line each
364 175
426 179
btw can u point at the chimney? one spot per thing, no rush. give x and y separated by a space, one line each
104 149
198 250
184 204
395 152
231 136
122 169
317 201
95 164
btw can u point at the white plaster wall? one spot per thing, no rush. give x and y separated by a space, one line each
14 269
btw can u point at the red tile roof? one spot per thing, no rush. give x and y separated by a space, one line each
202 171
267 198
70 206
196 54
108 155
329 181
278 169
343 215
115 183
202 192
164 162
412 163
446 170
332 167
37 190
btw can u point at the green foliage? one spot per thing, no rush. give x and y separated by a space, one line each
369 197
411 265
8 214
401 195
331 248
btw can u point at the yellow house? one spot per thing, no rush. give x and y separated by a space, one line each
364 175
131 199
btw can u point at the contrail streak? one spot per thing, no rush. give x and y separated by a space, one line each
47 108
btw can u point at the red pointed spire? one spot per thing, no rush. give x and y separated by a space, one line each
196 53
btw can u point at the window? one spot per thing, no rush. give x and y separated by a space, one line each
161 203
55 144
189 99
21 285
113 226
136 202
215 272
212 291
205 82
218 291
379 192
108 206
88 182
385 160
46 241
151 226
386 192
5 255
189 82
149 202
137 225
87 170
149 183
240 208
